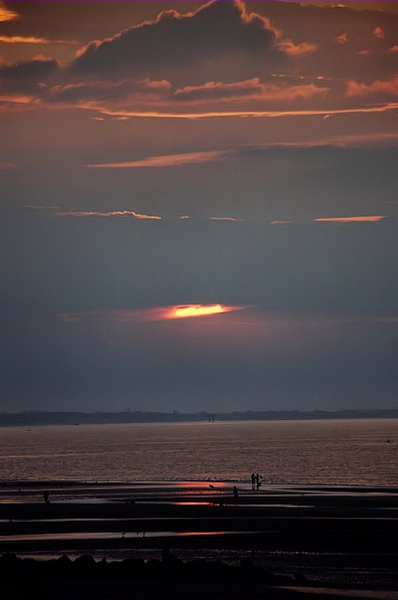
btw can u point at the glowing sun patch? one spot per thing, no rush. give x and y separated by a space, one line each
197 310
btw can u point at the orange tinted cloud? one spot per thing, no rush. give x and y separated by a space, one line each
16 99
170 160
378 33
361 89
365 219
383 107
115 213
20 39
292 49
150 82
6 14
218 89
248 90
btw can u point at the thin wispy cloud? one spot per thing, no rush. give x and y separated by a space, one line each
272 114
20 39
115 213
224 219
361 219
252 89
170 160
11 102
280 222
121 213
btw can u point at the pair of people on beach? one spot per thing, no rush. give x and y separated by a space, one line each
256 481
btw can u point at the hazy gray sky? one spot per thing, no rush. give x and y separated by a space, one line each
238 159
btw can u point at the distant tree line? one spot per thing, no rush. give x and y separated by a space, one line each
8 419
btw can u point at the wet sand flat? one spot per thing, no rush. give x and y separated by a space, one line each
330 536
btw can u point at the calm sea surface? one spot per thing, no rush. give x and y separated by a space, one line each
344 452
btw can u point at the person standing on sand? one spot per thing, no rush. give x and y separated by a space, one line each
253 479
258 481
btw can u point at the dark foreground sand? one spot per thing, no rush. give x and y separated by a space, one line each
196 540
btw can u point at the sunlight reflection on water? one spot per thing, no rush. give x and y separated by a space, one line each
345 452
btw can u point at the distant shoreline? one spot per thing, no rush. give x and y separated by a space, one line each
31 418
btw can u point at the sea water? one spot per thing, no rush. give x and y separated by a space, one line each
344 452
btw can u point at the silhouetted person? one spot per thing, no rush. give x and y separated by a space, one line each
253 478
235 491
258 481
46 497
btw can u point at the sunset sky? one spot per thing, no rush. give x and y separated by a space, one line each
198 205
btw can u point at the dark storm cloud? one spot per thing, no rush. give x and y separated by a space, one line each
225 59
29 70
345 43
83 21
26 78
220 37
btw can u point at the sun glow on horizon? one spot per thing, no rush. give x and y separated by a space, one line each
161 313
198 310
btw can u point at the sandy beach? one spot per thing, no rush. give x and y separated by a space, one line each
293 540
